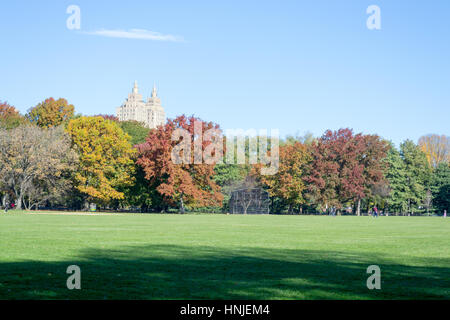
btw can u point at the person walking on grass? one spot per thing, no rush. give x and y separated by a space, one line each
375 211
333 211
6 206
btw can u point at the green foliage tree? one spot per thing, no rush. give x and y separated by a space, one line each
397 177
418 174
440 187
227 176
136 130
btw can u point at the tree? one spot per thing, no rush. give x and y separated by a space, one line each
142 194
418 174
436 148
288 183
35 164
184 183
106 163
307 139
373 159
227 176
51 113
9 116
344 168
398 180
137 131
428 201
335 174
441 187
108 117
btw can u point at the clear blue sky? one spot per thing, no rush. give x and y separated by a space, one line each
293 65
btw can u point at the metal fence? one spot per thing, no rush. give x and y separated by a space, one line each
249 201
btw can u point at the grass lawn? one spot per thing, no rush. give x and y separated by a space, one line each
131 256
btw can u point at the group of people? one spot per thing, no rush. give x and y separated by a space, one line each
374 212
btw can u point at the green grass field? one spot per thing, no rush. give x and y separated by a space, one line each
223 257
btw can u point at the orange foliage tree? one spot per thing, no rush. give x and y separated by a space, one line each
288 183
189 183
51 113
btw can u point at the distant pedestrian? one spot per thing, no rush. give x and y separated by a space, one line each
6 206
375 211
333 211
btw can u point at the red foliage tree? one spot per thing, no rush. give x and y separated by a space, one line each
187 183
344 167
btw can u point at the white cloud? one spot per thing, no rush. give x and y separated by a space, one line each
136 34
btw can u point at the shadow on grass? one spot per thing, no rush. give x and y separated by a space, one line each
179 272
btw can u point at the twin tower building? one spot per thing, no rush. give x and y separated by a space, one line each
149 112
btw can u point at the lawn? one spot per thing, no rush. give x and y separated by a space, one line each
153 256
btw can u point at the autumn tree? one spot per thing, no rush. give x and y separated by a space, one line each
436 148
106 158
288 183
51 113
9 116
373 159
190 182
344 168
35 164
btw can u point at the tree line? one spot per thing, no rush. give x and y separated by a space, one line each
51 157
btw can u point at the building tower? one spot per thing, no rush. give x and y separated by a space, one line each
151 112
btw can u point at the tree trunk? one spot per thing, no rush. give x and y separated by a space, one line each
290 209
358 208
18 203
181 205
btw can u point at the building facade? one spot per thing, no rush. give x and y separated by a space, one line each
150 112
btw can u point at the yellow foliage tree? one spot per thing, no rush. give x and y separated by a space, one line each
106 158
288 183
436 147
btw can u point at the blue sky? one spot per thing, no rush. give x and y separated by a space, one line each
292 65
